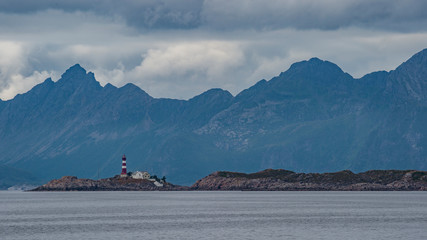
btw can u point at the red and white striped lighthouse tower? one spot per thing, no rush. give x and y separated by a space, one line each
124 174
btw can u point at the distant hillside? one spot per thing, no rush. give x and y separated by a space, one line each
311 118
11 176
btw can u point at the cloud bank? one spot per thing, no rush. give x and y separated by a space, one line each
181 48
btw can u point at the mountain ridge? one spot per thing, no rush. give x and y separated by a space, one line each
312 117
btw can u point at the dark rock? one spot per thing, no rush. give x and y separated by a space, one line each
282 180
117 183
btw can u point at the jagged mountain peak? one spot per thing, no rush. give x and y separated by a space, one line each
110 86
48 80
37 90
419 55
131 87
247 93
76 77
409 80
48 83
416 62
376 74
314 65
132 90
73 71
128 86
213 93
216 91
311 78
76 72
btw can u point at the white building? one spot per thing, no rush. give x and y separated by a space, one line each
158 184
141 175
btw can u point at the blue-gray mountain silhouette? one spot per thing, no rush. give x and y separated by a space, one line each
311 118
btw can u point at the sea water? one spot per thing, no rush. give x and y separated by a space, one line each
213 215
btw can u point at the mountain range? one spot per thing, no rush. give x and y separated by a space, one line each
311 118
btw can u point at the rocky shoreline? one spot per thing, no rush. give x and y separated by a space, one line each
117 183
283 180
267 180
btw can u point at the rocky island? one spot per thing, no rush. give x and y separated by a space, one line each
283 180
117 183
267 180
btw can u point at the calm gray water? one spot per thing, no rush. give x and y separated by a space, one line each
213 215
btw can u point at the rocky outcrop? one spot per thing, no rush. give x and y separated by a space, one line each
267 180
283 180
117 183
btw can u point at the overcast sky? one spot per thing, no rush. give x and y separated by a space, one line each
179 49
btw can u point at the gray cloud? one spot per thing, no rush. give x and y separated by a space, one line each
181 48
408 15
312 14
145 14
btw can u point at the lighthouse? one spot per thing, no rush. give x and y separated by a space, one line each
124 174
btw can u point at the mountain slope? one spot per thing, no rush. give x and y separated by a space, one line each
313 117
10 176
